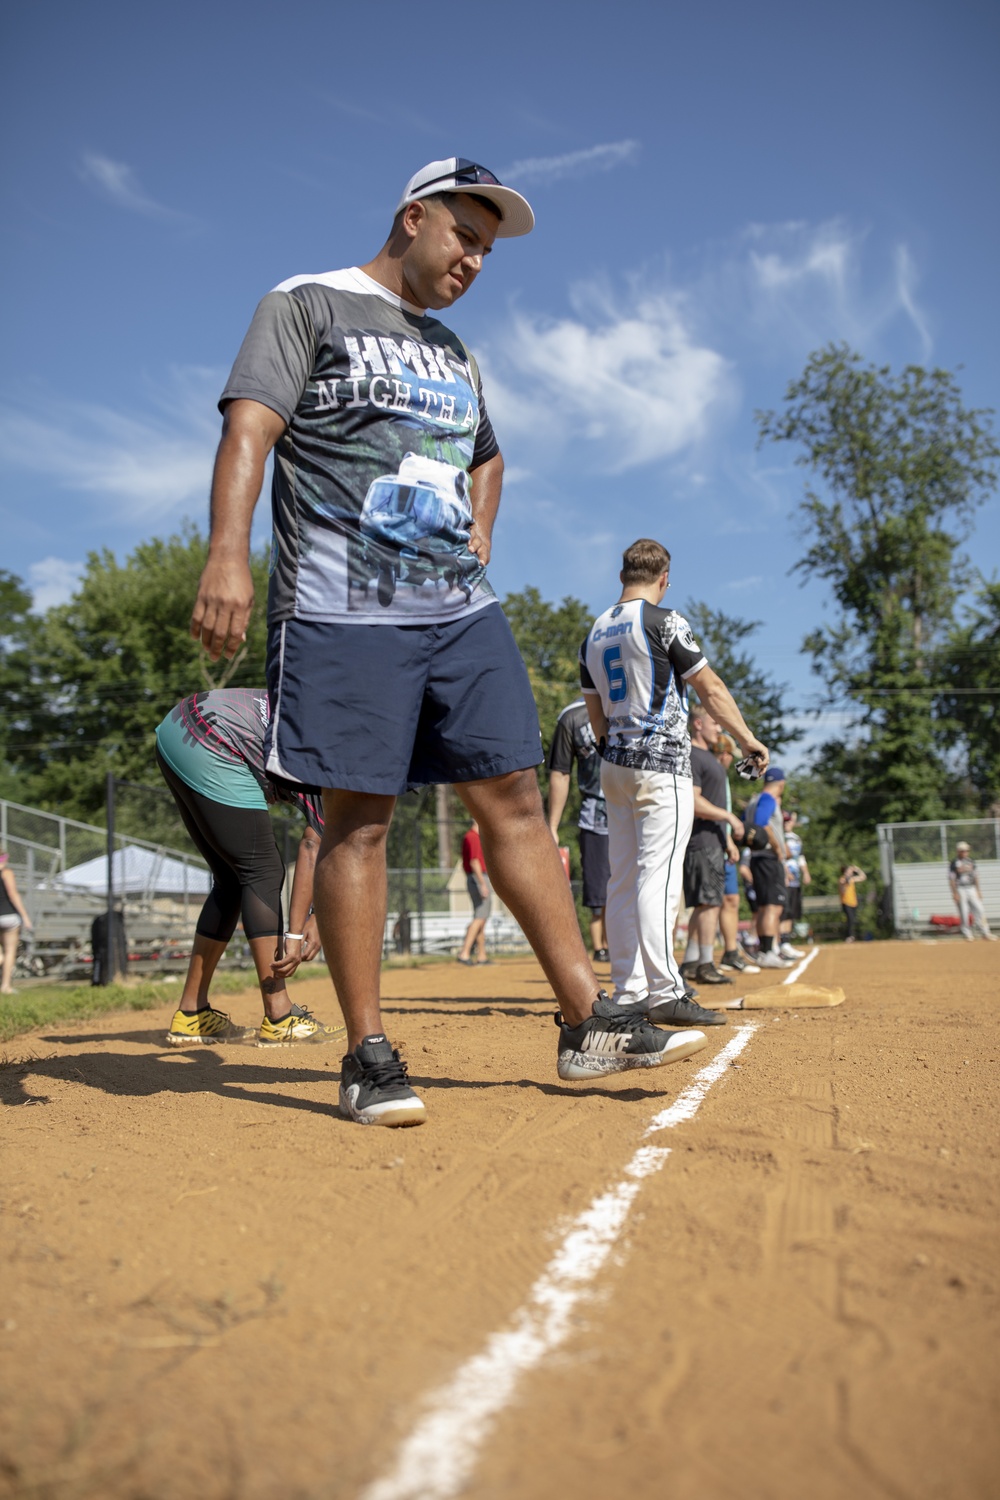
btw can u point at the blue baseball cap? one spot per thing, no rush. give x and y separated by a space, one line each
774 773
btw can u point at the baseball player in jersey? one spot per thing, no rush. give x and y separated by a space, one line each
635 667
390 662
574 741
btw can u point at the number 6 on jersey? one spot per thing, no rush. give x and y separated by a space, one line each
615 673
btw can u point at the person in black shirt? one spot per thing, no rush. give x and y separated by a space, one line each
708 847
574 741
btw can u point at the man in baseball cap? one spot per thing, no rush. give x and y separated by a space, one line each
456 174
963 877
390 662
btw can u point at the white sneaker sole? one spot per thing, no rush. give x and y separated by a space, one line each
392 1112
573 1065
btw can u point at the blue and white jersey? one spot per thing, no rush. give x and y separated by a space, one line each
637 658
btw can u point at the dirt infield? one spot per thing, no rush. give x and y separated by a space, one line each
218 1290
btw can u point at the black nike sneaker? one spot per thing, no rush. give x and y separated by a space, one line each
374 1088
709 974
683 1012
615 1037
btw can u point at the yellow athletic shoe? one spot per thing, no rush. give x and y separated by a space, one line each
207 1026
296 1029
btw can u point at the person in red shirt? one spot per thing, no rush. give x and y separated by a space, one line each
474 865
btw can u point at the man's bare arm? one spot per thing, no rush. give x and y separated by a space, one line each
558 795
487 480
598 718
713 814
719 701
225 594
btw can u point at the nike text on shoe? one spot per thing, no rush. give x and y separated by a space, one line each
682 1012
771 960
614 1037
297 1029
207 1026
374 1088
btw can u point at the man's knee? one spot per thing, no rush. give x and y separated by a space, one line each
500 798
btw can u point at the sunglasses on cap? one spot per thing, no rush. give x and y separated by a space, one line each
468 173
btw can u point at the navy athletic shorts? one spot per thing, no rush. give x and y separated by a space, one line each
383 708
595 867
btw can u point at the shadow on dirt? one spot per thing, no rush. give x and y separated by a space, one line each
230 1073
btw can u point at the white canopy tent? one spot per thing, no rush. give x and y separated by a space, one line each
139 872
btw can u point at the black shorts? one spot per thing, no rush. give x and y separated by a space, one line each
596 867
705 874
382 708
768 879
793 903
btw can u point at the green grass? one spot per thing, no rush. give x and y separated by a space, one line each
45 1004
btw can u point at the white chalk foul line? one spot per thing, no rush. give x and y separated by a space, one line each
800 969
437 1458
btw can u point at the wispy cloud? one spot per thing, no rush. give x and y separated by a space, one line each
146 465
571 163
52 581
116 181
906 280
623 378
815 282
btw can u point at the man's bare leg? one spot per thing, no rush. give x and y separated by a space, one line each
475 937
598 940
527 873
349 896
729 922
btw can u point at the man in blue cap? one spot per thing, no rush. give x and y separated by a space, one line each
768 853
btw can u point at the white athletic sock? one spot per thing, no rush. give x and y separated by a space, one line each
705 953
693 954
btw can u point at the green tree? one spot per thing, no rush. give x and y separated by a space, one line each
761 700
969 669
549 637
903 466
104 669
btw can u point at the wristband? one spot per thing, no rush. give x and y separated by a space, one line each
298 936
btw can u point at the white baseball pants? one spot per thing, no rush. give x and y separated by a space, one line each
971 909
649 823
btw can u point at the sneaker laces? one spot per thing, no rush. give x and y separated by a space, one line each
391 1070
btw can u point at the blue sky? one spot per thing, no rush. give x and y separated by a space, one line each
719 189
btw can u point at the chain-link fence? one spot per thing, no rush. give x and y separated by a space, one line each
158 881
915 860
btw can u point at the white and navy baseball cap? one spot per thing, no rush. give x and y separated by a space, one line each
456 174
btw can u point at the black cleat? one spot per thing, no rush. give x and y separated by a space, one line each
709 974
683 1012
615 1037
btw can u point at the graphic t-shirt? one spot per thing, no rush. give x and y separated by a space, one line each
574 741
707 774
222 729
963 871
793 870
763 811
637 657
371 492
472 849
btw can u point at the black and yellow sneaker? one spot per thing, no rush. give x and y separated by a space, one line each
208 1026
615 1037
298 1028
